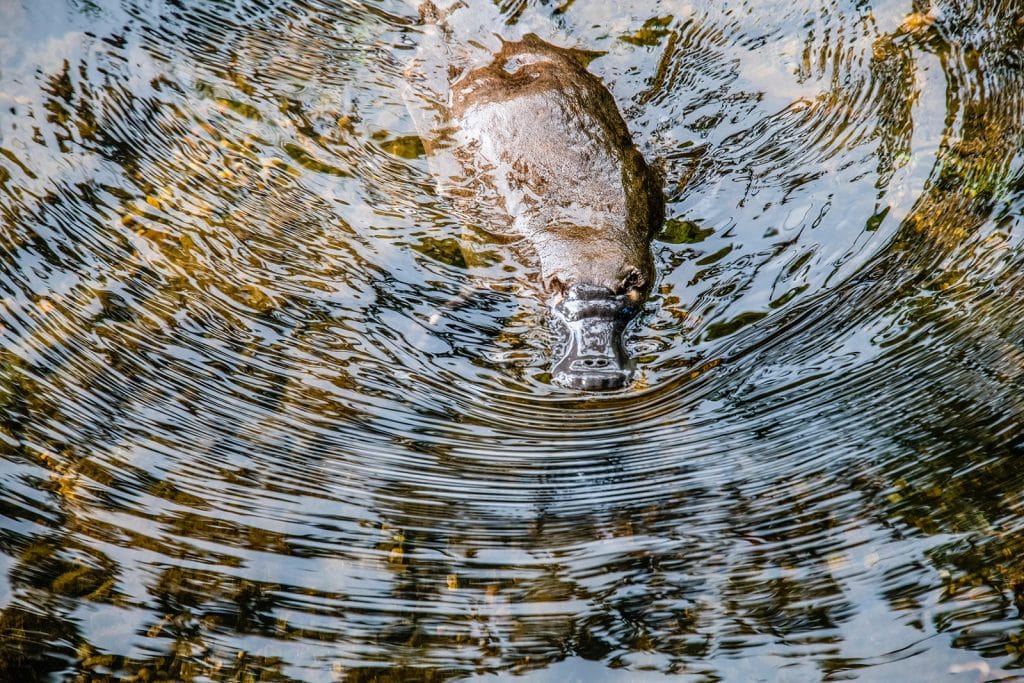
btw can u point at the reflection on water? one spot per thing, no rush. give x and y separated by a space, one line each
234 448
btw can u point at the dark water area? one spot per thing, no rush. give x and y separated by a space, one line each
235 447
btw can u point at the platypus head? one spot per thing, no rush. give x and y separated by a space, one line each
590 313
593 320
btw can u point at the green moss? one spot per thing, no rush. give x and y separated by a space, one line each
876 220
683 232
724 329
448 251
311 163
82 581
241 108
653 30
406 147
787 297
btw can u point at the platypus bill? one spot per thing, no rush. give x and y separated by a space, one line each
543 139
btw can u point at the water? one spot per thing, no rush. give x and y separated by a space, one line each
235 448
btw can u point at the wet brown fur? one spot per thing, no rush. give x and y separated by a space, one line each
548 139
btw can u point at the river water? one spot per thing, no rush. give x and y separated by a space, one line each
235 447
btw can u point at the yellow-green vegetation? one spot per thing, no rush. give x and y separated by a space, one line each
651 33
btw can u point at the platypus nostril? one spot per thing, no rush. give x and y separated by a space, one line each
593 365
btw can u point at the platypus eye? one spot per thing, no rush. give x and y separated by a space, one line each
632 282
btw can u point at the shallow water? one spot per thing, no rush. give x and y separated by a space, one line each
235 448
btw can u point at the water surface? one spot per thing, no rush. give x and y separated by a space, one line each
235 448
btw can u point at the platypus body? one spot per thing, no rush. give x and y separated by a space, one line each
545 141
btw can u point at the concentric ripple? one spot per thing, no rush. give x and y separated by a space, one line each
245 435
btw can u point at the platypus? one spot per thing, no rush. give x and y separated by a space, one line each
542 138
